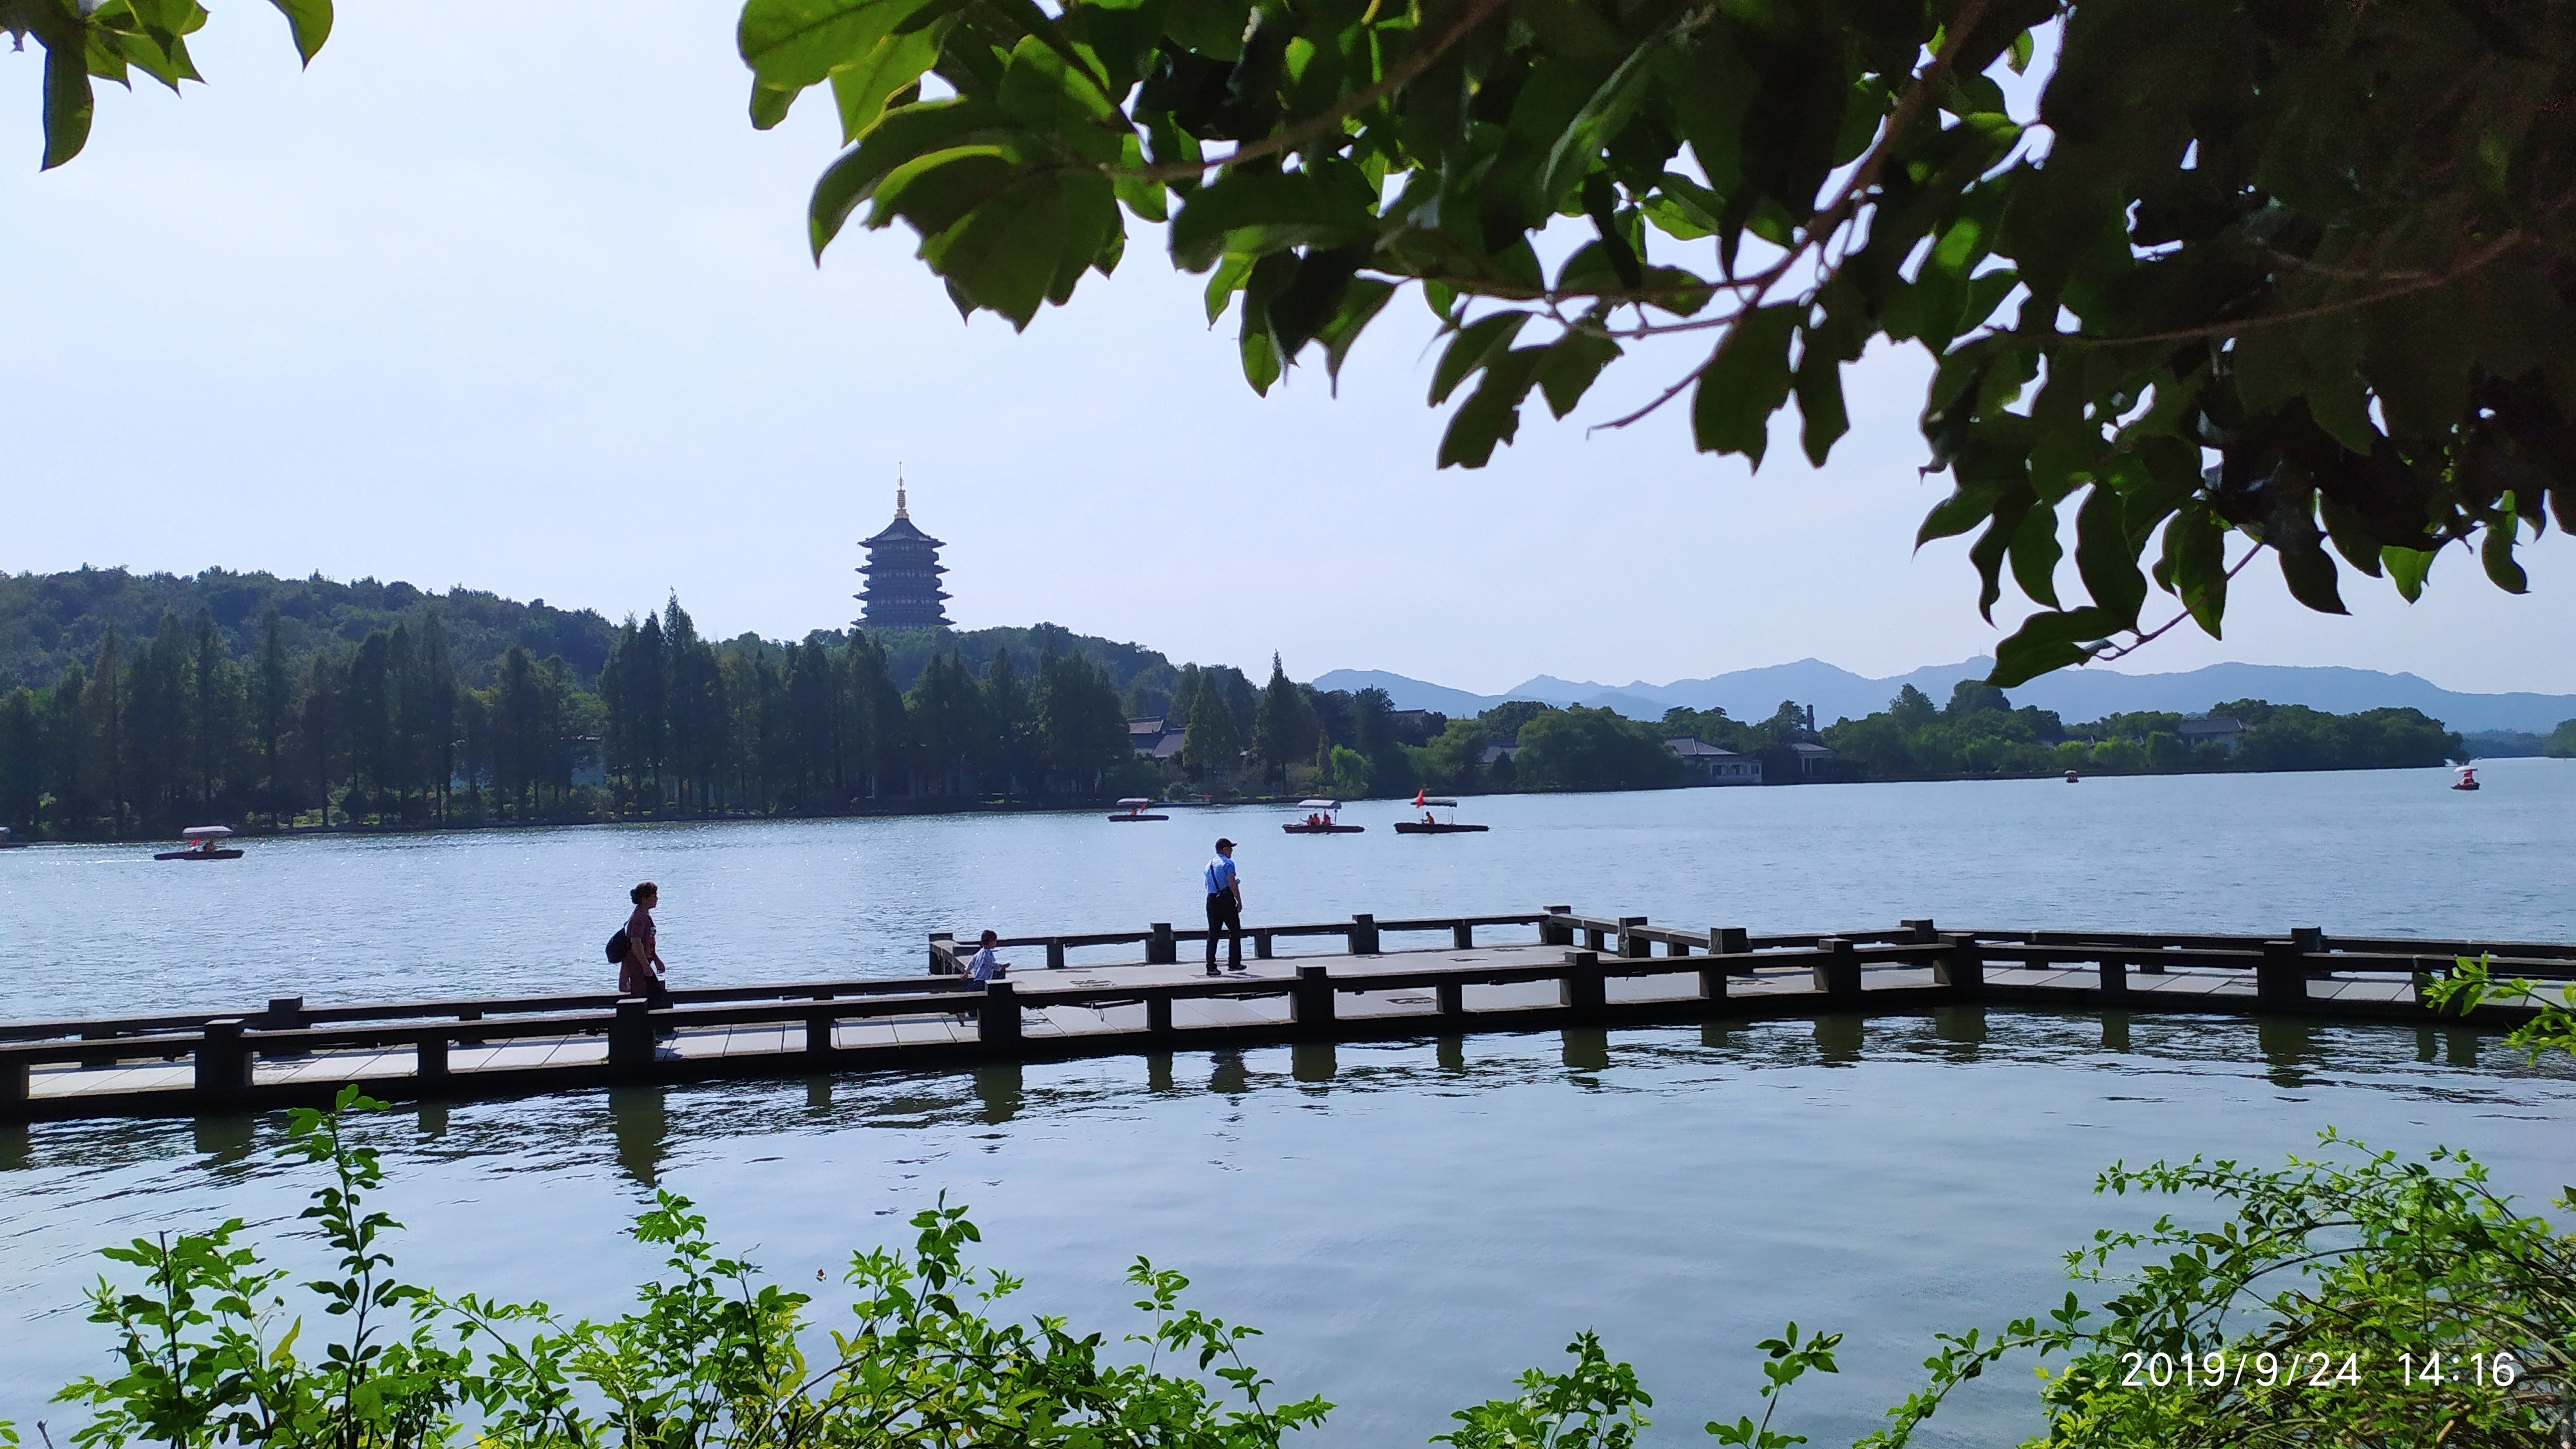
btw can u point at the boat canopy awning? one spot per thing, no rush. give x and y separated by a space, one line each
1133 802
205 832
1319 804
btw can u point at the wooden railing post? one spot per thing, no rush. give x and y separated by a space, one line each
943 953
223 1060
1261 945
1632 943
2281 978
1055 953
2311 939
1584 988
1462 936
1311 1005
1729 940
1453 998
1160 948
630 1036
819 1024
429 1057
1922 929
99 1059
1712 983
1363 936
2115 976
1552 929
1595 939
997 1021
2150 966
464 1040
13 1081
1962 968
1158 1015
1838 975
285 1013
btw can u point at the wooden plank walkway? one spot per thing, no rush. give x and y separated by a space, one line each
1580 971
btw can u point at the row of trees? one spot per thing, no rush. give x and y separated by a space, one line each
1979 732
145 738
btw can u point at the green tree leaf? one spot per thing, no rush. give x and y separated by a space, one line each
1745 382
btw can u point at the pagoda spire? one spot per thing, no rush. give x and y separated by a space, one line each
899 510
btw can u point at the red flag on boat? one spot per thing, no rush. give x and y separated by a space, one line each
1418 794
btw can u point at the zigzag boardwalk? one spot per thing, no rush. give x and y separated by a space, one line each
1581 971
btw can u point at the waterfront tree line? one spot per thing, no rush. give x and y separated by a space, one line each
1980 732
145 736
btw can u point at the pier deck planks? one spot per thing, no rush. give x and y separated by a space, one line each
907 1026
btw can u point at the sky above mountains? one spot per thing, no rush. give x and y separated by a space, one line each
537 316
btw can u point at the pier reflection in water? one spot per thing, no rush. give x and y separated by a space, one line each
1410 1222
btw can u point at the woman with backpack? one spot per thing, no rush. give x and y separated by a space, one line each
640 968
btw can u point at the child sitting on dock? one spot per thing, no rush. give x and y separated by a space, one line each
983 968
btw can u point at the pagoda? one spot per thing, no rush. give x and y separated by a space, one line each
902 589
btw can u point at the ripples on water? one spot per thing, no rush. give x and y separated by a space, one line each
1411 1222
94 930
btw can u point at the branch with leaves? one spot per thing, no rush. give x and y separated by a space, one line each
2303 278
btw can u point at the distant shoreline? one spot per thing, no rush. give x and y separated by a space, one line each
256 832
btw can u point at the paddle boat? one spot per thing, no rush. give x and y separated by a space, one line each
2468 778
1134 809
205 842
1432 824
2073 778
1320 820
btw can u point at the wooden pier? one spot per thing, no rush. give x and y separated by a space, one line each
1565 970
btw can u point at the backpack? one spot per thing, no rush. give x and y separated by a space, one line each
618 946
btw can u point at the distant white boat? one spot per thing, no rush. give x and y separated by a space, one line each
205 842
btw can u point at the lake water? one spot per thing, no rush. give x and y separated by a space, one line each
1412 1222
95 930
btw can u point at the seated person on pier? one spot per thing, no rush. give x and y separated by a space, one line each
983 968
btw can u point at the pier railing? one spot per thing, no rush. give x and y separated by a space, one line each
331 1044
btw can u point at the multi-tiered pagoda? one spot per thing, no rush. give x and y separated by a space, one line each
902 589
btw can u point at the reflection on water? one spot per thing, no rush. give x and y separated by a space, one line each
642 1129
1410 1222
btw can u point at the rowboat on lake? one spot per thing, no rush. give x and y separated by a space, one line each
1320 820
1134 809
205 842
1431 823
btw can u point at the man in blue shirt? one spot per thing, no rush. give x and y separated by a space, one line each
1224 907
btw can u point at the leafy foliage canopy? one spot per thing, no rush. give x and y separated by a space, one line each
2295 273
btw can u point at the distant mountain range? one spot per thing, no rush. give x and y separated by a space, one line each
2076 694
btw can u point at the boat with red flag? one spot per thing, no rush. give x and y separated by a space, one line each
1431 823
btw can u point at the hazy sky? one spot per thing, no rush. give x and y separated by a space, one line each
513 296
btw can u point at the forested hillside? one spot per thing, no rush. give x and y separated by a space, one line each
138 703
51 621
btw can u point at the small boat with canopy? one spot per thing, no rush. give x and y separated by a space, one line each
1431 823
1134 809
1320 820
2468 778
205 842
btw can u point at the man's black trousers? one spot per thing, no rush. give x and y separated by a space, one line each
1224 912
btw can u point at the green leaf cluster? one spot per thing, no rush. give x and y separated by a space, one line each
2291 275
86 40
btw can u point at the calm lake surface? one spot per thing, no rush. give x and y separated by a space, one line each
1413 1223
